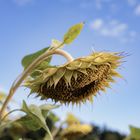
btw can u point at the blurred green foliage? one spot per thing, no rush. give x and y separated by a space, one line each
17 130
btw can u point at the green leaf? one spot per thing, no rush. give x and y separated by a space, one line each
28 59
135 132
36 117
35 114
37 71
28 123
31 115
72 33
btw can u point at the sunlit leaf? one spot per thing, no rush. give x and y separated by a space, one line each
72 33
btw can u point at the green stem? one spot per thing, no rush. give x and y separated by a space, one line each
49 132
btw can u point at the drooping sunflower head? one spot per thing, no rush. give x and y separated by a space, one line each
75 131
79 80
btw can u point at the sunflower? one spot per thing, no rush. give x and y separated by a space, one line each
77 81
71 119
75 131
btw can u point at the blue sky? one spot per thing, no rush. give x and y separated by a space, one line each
112 25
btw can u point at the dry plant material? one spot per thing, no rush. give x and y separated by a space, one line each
79 80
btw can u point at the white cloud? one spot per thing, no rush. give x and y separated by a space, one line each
113 28
97 24
22 2
135 5
137 10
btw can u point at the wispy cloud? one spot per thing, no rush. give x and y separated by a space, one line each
97 24
137 10
22 2
135 5
114 29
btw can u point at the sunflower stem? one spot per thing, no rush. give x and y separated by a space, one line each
28 70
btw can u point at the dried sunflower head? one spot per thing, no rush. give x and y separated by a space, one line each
79 80
76 130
